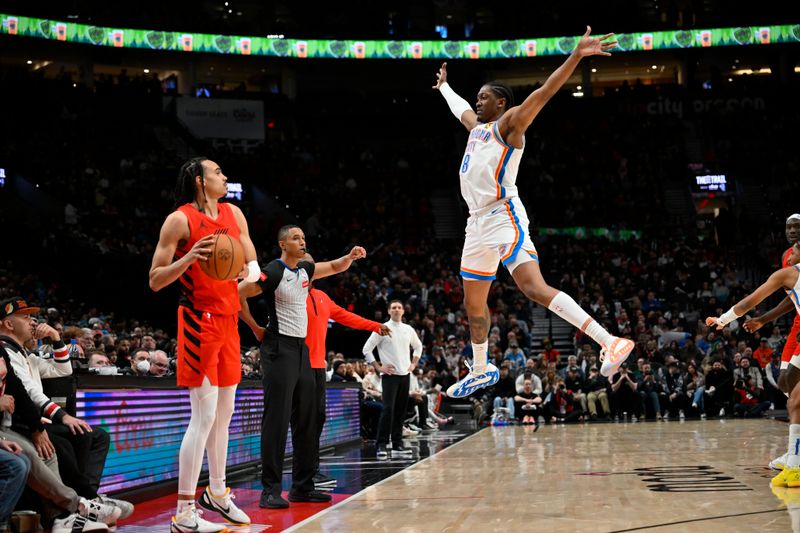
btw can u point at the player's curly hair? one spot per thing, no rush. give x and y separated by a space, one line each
185 187
502 90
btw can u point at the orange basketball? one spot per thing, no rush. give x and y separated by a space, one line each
226 259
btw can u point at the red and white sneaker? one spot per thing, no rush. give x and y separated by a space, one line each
613 355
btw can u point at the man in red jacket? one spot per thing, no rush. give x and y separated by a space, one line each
320 309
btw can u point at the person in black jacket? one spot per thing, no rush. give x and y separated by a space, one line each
504 391
719 388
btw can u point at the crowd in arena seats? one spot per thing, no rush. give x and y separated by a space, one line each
101 204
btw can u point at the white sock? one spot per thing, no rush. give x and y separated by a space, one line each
564 306
479 352
217 486
793 460
183 506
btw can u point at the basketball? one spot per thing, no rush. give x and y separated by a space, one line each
226 259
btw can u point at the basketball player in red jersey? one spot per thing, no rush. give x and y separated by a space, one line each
790 358
209 362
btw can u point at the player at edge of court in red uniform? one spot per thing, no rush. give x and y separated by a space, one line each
790 358
208 351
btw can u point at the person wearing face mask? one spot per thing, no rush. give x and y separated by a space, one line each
140 364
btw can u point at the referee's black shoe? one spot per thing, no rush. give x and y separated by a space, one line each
270 501
312 496
321 479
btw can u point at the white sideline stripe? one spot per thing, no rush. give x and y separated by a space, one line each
353 496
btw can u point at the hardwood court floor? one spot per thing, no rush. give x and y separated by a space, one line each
666 476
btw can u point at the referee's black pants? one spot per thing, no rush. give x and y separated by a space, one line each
395 401
321 404
289 396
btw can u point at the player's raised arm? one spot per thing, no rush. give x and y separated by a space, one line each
780 279
517 119
329 268
459 107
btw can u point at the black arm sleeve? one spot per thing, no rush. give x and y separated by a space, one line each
271 276
308 267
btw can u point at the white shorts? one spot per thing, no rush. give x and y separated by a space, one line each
497 234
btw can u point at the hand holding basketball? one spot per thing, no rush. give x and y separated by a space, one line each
226 257
201 249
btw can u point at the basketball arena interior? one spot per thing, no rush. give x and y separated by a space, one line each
252 279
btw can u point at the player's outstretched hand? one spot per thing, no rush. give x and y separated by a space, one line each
385 331
441 76
753 325
594 46
357 253
713 321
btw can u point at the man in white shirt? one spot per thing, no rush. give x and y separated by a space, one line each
396 362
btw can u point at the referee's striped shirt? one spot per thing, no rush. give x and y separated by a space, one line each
285 291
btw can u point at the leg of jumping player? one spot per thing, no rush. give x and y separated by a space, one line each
528 278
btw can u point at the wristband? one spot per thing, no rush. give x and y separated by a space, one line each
727 317
253 271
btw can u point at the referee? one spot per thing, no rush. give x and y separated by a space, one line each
289 392
395 365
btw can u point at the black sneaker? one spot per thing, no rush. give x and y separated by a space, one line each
382 452
322 479
270 501
401 451
313 496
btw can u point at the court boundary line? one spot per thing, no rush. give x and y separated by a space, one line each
692 520
359 493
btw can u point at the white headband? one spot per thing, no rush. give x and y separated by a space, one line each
792 217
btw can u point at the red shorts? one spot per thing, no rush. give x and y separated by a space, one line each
790 348
208 345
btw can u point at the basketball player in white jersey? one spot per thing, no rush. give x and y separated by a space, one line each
497 228
787 279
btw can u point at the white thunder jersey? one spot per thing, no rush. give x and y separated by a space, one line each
794 292
489 168
497 228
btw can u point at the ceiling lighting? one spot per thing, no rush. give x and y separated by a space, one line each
594 70
147 71
29 62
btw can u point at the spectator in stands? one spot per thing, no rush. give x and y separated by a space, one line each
694 382
745 369
624 395
529 372
515 357
527 404
776 340
596 388
675 390
340 373
504 391
771 389
561 407
650 390
719 388
140 362
747 402
550 354
690 352
98 359
14 469
574 383
763 354
159 363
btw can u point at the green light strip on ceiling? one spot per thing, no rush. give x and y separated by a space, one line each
354 49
